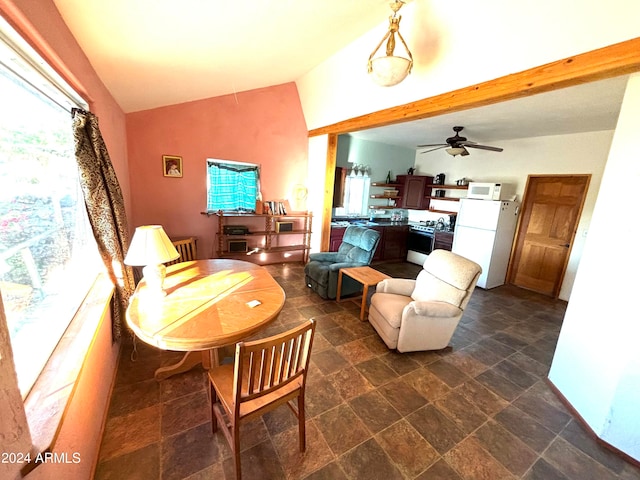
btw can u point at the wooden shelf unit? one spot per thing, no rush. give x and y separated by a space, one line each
269 235
395 186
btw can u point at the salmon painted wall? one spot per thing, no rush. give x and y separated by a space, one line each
264 126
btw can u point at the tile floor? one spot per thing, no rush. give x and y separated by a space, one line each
480 410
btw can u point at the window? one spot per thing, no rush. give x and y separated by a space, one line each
48 256
232 186
356 192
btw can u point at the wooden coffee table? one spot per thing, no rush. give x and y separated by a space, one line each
209 304
367 276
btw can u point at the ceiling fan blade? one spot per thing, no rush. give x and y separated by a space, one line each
467 142
433 145
432 149
486 147
465 153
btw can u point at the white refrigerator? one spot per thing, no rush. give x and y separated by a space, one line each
484 233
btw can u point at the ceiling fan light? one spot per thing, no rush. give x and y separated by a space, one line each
389 70
455 151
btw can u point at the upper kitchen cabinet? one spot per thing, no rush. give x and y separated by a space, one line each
416 190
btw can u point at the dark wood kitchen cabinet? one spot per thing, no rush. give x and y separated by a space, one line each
338 187
416 190
443 240
394 243
335 239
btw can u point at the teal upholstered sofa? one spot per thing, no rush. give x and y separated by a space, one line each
357 249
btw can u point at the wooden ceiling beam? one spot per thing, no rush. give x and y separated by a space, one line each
607 62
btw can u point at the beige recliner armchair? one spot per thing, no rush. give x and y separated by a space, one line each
422 314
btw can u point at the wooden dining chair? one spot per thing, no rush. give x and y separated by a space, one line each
266 374
186 247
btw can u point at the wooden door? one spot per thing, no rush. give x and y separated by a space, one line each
551 210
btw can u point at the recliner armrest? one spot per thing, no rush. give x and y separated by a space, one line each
326 257
434 309
337 266
398 286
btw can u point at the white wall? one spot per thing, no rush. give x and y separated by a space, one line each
583 153
597 361
486 40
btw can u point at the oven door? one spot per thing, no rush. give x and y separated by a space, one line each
420 242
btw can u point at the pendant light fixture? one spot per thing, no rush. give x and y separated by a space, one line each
390 70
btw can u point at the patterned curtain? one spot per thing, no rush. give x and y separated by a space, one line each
105 206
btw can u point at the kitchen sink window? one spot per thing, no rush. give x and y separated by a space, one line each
356 192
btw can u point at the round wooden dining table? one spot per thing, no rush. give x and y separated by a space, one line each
208 304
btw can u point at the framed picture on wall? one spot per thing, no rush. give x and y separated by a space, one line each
172 166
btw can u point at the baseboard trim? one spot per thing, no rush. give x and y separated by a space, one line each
588 429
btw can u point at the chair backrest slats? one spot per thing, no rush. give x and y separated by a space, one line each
271 363
186 247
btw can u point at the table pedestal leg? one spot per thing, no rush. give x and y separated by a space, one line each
207 358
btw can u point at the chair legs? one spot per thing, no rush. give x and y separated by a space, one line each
302 437
213 398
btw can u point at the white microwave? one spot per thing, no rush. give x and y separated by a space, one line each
488 191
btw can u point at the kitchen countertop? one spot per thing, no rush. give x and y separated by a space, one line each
383 222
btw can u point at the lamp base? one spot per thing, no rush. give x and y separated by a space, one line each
154 277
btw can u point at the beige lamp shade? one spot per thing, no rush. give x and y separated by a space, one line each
389 70
150 246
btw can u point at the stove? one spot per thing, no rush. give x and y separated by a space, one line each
425 227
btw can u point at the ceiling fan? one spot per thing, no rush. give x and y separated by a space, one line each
457 145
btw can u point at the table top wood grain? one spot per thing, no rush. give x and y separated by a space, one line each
207 305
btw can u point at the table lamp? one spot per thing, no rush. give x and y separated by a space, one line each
151 248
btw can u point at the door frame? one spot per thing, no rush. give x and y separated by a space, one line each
514 246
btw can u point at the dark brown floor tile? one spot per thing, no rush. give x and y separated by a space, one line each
427 384
296 464
354 352
376 372
281 419
575 434
350 383
189 382
404 398
191 451
485 400
541 356
329 361
142 464
311 311
342 429
447 372
257 463
529 365
482 354
339 336
461 411
511 341
512 372
375 344
399 362
439 471
212 471
319 344
465 363
130 432
129 397
425 358
572 463
514 454
546 414
332 471
320 397
525 428
324 322
541 470
436 428
408 450
368 460
499 385
185 412
374 411
474 463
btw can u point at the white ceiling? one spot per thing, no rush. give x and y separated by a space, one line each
151 53
585 108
